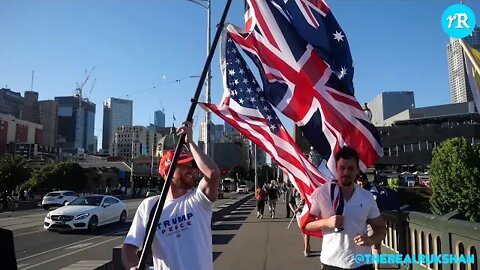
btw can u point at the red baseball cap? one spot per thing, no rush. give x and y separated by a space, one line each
166 161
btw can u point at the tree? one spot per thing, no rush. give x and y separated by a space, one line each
455 178
13 172
265 174
69 176
238 171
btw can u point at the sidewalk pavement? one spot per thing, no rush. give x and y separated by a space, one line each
242 241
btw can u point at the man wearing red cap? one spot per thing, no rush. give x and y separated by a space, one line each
183 237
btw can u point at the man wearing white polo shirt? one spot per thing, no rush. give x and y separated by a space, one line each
345 236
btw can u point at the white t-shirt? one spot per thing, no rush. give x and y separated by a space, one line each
183 240
338 248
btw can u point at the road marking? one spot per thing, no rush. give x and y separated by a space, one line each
79 246
73 252
22 234
22 265
65 246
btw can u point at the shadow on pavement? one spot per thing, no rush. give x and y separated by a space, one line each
222 239
216 255
236 218
227 227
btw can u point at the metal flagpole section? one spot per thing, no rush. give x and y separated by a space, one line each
158 211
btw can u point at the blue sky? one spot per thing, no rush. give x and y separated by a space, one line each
141 48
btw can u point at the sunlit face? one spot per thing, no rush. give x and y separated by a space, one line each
347 171
184 176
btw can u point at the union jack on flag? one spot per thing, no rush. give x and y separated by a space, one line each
308 79
245 107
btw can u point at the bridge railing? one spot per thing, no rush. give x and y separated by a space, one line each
415 233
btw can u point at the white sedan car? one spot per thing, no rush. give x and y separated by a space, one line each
242 189
87 212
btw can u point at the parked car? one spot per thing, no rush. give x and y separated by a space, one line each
87 212
58 198
152 192
242 189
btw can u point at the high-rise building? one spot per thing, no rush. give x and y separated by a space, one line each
116 113
388 104
49 120
11 103
218 133
159 119
30 107
203 133
459 87
76 124
142 141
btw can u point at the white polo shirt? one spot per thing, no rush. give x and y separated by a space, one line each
338 248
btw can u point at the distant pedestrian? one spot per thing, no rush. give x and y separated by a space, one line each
288 198
296 204
272 198
260 196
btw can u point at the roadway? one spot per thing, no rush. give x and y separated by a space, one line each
37 248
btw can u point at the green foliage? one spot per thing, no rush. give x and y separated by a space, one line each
265 174
13 172
241 171
58 176
455 178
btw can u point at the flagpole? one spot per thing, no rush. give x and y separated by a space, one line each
469 55
158 211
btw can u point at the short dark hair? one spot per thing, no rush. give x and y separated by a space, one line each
347 153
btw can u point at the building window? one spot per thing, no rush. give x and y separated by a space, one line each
394 150
430 145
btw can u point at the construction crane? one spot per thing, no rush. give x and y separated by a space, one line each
93 85
79 89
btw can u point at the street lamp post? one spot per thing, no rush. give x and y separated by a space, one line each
206 4
367 111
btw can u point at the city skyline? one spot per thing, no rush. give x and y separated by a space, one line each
460 89
144 53
116 113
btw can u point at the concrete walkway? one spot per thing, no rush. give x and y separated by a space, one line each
242 241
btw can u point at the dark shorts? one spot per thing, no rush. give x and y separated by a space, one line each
363 267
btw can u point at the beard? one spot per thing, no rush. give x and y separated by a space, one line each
184 183
346 181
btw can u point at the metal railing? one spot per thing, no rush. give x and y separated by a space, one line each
417 233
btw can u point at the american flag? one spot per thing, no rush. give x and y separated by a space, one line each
302 81
245 107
